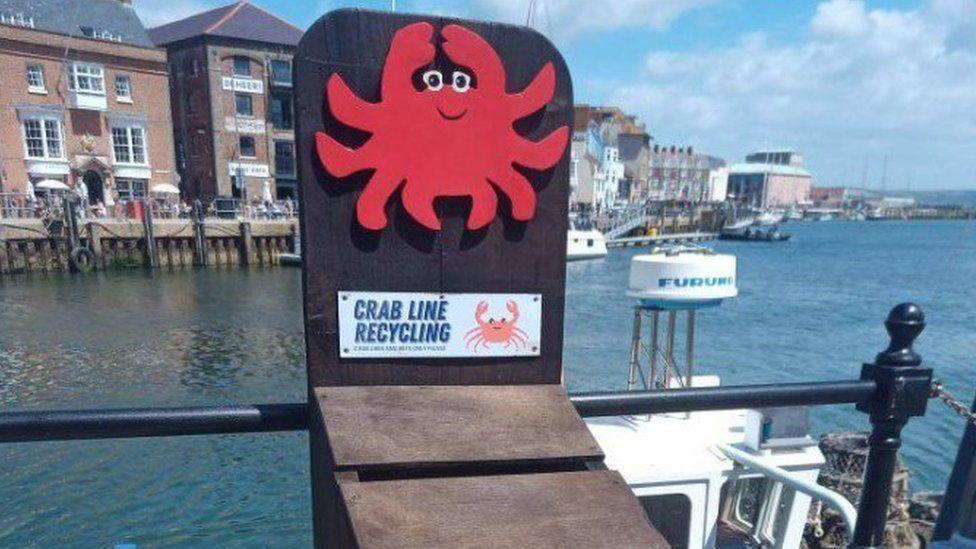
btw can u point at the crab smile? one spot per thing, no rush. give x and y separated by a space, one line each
451 117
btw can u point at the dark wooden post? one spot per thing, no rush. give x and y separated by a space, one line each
247 244
199 234
903 392
412 436
147 226
95 240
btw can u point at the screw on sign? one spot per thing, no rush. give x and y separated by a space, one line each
452 137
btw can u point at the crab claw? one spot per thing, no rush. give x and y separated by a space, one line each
464 47
410 49
481 309
512 307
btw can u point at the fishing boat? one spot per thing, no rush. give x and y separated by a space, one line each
583 241
723 478
753 233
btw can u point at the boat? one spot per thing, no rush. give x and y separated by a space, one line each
753 234
793 214
769 217
583 241
703 488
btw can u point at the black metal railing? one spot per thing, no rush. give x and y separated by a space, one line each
892 389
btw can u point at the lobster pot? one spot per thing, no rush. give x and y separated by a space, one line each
666 282
845 455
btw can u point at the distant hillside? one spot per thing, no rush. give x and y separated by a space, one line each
940 198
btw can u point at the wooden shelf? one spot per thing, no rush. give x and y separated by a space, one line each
570 509
398 427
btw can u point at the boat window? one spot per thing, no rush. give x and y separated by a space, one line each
671 516
589 242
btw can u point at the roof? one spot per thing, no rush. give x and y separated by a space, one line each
777 169
103 20
243 21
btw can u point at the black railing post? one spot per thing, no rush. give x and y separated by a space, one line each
903 388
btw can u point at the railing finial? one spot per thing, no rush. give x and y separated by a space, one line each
904 324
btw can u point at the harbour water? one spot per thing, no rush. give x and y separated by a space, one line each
809 309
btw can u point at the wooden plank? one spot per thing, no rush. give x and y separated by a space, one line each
423 426
573 509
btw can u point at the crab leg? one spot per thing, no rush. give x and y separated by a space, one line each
410 49
540 155
484 205
371 206
464 47
420 203
348 108
518 189
535 95
519 338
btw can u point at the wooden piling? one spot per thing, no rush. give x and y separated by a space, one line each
95 244
247 244
4 258
149 236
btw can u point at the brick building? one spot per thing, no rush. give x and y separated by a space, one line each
85 100
231 86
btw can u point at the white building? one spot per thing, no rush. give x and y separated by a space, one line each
718 185
609 178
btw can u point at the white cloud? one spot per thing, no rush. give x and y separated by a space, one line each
159 12
565 20
859 83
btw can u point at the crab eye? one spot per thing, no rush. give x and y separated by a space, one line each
491 320
434 80
461 82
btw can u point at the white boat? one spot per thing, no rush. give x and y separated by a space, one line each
715 479
585 245
583 241
769 217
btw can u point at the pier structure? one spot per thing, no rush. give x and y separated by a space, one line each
30 246
434 336
659 239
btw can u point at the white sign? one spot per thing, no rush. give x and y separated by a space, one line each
244 125
248 170
431 325
246 85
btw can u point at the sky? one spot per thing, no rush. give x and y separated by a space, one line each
875 93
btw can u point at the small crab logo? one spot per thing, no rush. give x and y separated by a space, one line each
452 137
495 331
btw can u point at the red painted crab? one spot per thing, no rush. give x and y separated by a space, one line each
454 137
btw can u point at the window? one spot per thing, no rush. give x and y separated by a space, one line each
129 144
247 145
281 112
284 158
280 72
131 189
35 79
43 138
245 106
188 103
123 88
242 66
86 78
